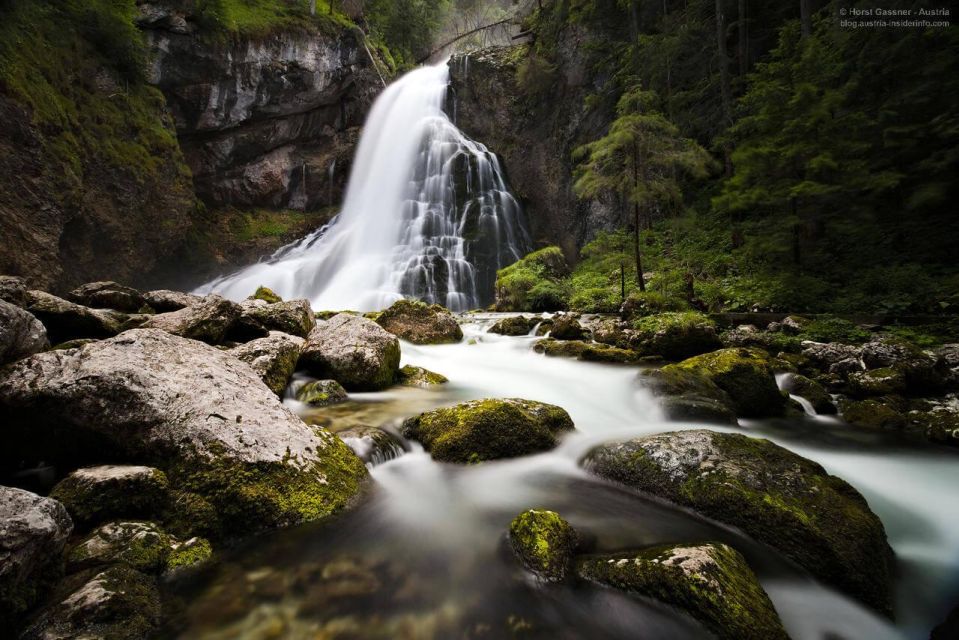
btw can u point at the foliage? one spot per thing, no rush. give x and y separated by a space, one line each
261 17
532 281
406 27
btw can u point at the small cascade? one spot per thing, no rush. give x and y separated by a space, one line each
427 215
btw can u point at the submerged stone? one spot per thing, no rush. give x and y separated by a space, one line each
411 376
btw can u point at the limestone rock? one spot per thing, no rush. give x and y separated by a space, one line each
354 351
273 358
21 334
208 321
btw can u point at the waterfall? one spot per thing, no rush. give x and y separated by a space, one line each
427 215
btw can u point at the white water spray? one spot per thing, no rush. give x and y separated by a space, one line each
427 215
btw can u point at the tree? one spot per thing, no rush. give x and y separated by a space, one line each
639 160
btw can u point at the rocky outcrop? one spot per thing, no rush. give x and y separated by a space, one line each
96 494
354 351
21 334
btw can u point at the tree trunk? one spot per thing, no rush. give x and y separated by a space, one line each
639 258
805 17
743 38
312 7
724 80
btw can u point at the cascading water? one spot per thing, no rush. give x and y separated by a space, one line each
427 215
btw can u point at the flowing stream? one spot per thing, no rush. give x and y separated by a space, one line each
423 557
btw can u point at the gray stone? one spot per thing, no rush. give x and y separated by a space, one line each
354 351
273 358
96 494
108 295
164 300
21 334
66 320
258 317
208 320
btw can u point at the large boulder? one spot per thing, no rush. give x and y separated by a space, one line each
164 300
96 494
774 495
567 327
273 358
544 542
675 335
354 351
202 416
688 395
513 326
711 582
108 295
744 374
208 320
489 429
21 334
66 320
420 323
33 531
258 317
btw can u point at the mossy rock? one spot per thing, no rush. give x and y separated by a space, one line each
769 341
411 376
560 348
420 323
588 351
811 391
875 413
265 294
745 375
97 494
876 382
940 426
711 582
567 327
676 335
141 545
544 542
188 555
688 395
513 326
489 429
321 393
774 495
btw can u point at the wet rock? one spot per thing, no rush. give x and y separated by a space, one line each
273 358
513 326
164 300
66 320
206 321
373 446
97 494
810 390
675 335
118 603
321 393
33 531
544 542
258 317
108 295
711 582
688 395
354 351
13 290
875 413
195 412
21 334
411 376
876 382
489 429
774 495
567 327
744 375
420 323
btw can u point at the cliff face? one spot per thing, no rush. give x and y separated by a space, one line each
534 127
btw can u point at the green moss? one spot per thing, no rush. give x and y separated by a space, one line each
488 429
831 329
263 17
320 393
879 413
266 294
745 375
140 545
544 542
145 496
411 376
533 281
189 554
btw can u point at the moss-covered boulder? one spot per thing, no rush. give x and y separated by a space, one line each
97 494
265 294
513 326
420 323
588 351
544 542
875 413
207 321
811 391
745 375
876 382
193 411
273 358
489 429
675 335
567 327
322 393
411 376
749 336
354 351
774 495
258 318
108 295
688 395
711 582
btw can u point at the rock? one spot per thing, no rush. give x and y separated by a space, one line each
876 382
810 390
513 326
560 348
73 344
206 321
688 395
13 290
743 374
826 354
373 446
118 603
65 320
875 413
614 333
164 300
567 327
921 372
948 353
354 351
793 325
273 358
21 334
845 368
592 352
108 295
774 495
187 555
675 335
140 545
33 531
97 494
420 323
939 425
771 341
191 410
257 318
321 393
265 294
411 376
711 582
488 429
544 542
